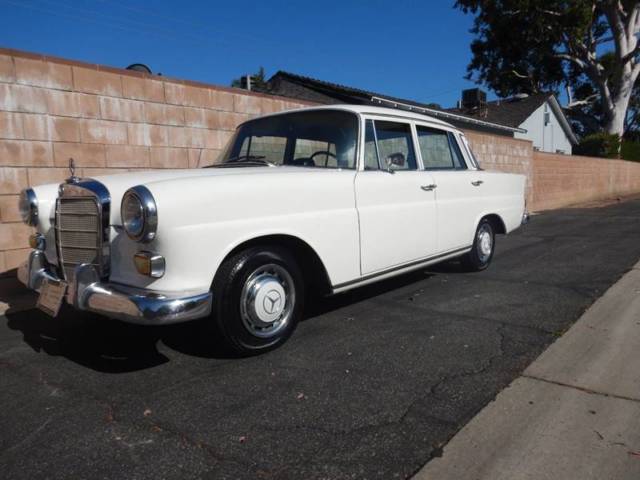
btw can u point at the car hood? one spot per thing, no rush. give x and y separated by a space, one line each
119 181
117 184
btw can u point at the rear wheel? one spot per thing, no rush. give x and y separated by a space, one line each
259 295
482 250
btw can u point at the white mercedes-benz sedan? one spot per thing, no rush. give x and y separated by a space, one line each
317 200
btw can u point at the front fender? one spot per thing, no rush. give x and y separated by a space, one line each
197 232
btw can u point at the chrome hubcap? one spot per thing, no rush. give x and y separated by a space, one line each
267 300
484 243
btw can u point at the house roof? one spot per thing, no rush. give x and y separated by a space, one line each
328 92
515 110
509 111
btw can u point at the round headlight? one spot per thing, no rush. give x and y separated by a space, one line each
28 206
139 214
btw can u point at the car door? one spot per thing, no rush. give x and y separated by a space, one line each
394 198
458 188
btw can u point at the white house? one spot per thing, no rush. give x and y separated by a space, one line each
538 117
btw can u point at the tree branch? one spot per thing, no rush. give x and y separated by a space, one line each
614 13
631 55
519 75
573 59
586 101
633 21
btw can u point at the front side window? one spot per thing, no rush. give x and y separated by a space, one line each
322 138
370 150
395 146
439 149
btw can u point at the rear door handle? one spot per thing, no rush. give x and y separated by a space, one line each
428 188
477 183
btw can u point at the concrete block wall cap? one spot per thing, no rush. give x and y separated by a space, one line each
43 74
7 69
133 73
150 89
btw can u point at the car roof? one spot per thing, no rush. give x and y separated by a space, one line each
371 110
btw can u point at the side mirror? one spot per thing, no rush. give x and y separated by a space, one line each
395 161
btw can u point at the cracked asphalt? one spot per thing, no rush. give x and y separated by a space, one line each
372 385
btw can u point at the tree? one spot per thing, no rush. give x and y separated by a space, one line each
586 113
258 82
590 47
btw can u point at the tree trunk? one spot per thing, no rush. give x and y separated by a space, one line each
625 27
616 115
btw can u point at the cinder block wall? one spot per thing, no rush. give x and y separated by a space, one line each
560 180
553 180
504 154
109 120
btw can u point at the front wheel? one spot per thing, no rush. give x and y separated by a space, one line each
259 296
482 250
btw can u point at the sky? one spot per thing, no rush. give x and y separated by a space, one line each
415 50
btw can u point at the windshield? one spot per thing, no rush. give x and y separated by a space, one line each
323 139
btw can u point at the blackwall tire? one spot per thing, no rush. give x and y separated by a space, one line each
483 248
259 299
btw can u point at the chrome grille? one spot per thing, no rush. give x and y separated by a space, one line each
78 234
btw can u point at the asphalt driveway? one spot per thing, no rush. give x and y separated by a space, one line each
372 384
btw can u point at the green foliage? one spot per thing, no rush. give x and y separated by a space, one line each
258 81
600 144
631 150
529 46
517 42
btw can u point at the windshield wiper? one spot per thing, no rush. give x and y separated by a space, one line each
245 161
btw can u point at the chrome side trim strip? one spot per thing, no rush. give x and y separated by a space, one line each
416 264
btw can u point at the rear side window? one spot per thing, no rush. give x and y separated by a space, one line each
471 155
458 158
395 146
439 149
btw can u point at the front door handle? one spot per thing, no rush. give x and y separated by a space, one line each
428 188
477 183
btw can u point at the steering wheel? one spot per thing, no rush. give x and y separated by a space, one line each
324 152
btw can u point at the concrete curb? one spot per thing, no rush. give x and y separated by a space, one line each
573 414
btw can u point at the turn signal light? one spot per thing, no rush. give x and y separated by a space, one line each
149 264
36 241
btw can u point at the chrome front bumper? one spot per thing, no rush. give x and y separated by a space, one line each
133 305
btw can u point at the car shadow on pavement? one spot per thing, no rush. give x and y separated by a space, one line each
320 305
112 346
89 340
108 345
13 294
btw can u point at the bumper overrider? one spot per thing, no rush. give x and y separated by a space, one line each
134 305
